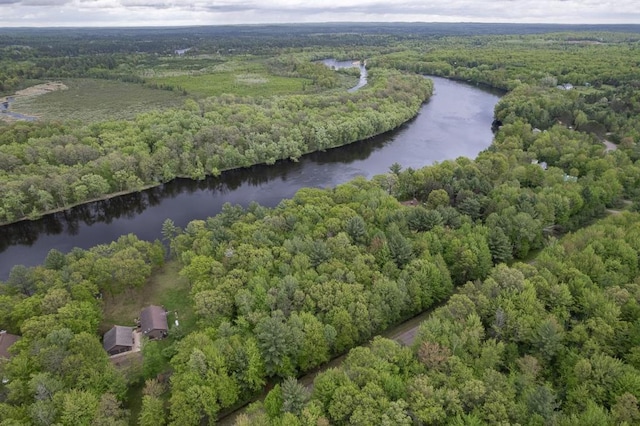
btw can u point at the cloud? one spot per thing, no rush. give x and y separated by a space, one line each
32 2
153 4
39 3
203 12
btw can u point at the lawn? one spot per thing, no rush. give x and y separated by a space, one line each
91 100
165 287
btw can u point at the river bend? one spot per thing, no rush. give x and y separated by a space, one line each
455 122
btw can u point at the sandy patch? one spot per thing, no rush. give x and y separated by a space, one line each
41 89
37 90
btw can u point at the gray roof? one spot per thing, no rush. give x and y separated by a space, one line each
118 336
153 318
6 340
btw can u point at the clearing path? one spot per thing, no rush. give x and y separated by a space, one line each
404 333
626 205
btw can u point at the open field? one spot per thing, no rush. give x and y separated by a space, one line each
95 100
89 100
240 83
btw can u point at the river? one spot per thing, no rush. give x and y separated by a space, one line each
455 122
5 106
336 65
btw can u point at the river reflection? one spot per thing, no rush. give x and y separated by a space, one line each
455 122
131 205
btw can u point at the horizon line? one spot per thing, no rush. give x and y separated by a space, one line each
66 26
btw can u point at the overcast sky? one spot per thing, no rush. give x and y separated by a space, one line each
16 13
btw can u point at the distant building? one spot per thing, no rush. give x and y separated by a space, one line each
153 322
542 164
6 340
117 340
565 86
410 203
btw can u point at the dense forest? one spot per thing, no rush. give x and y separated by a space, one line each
554 341
538 295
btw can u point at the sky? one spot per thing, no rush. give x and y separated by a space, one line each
47 13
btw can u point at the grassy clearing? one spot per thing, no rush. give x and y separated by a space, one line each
243 84
91 100
165 287
246 79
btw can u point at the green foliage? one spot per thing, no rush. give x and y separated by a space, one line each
294 396
279 344
562 372
153 361
399 248
61 372
500 245
280 291
273 402
152 412
79 408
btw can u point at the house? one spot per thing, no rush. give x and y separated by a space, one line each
153 322
543 164
6 340
117 340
